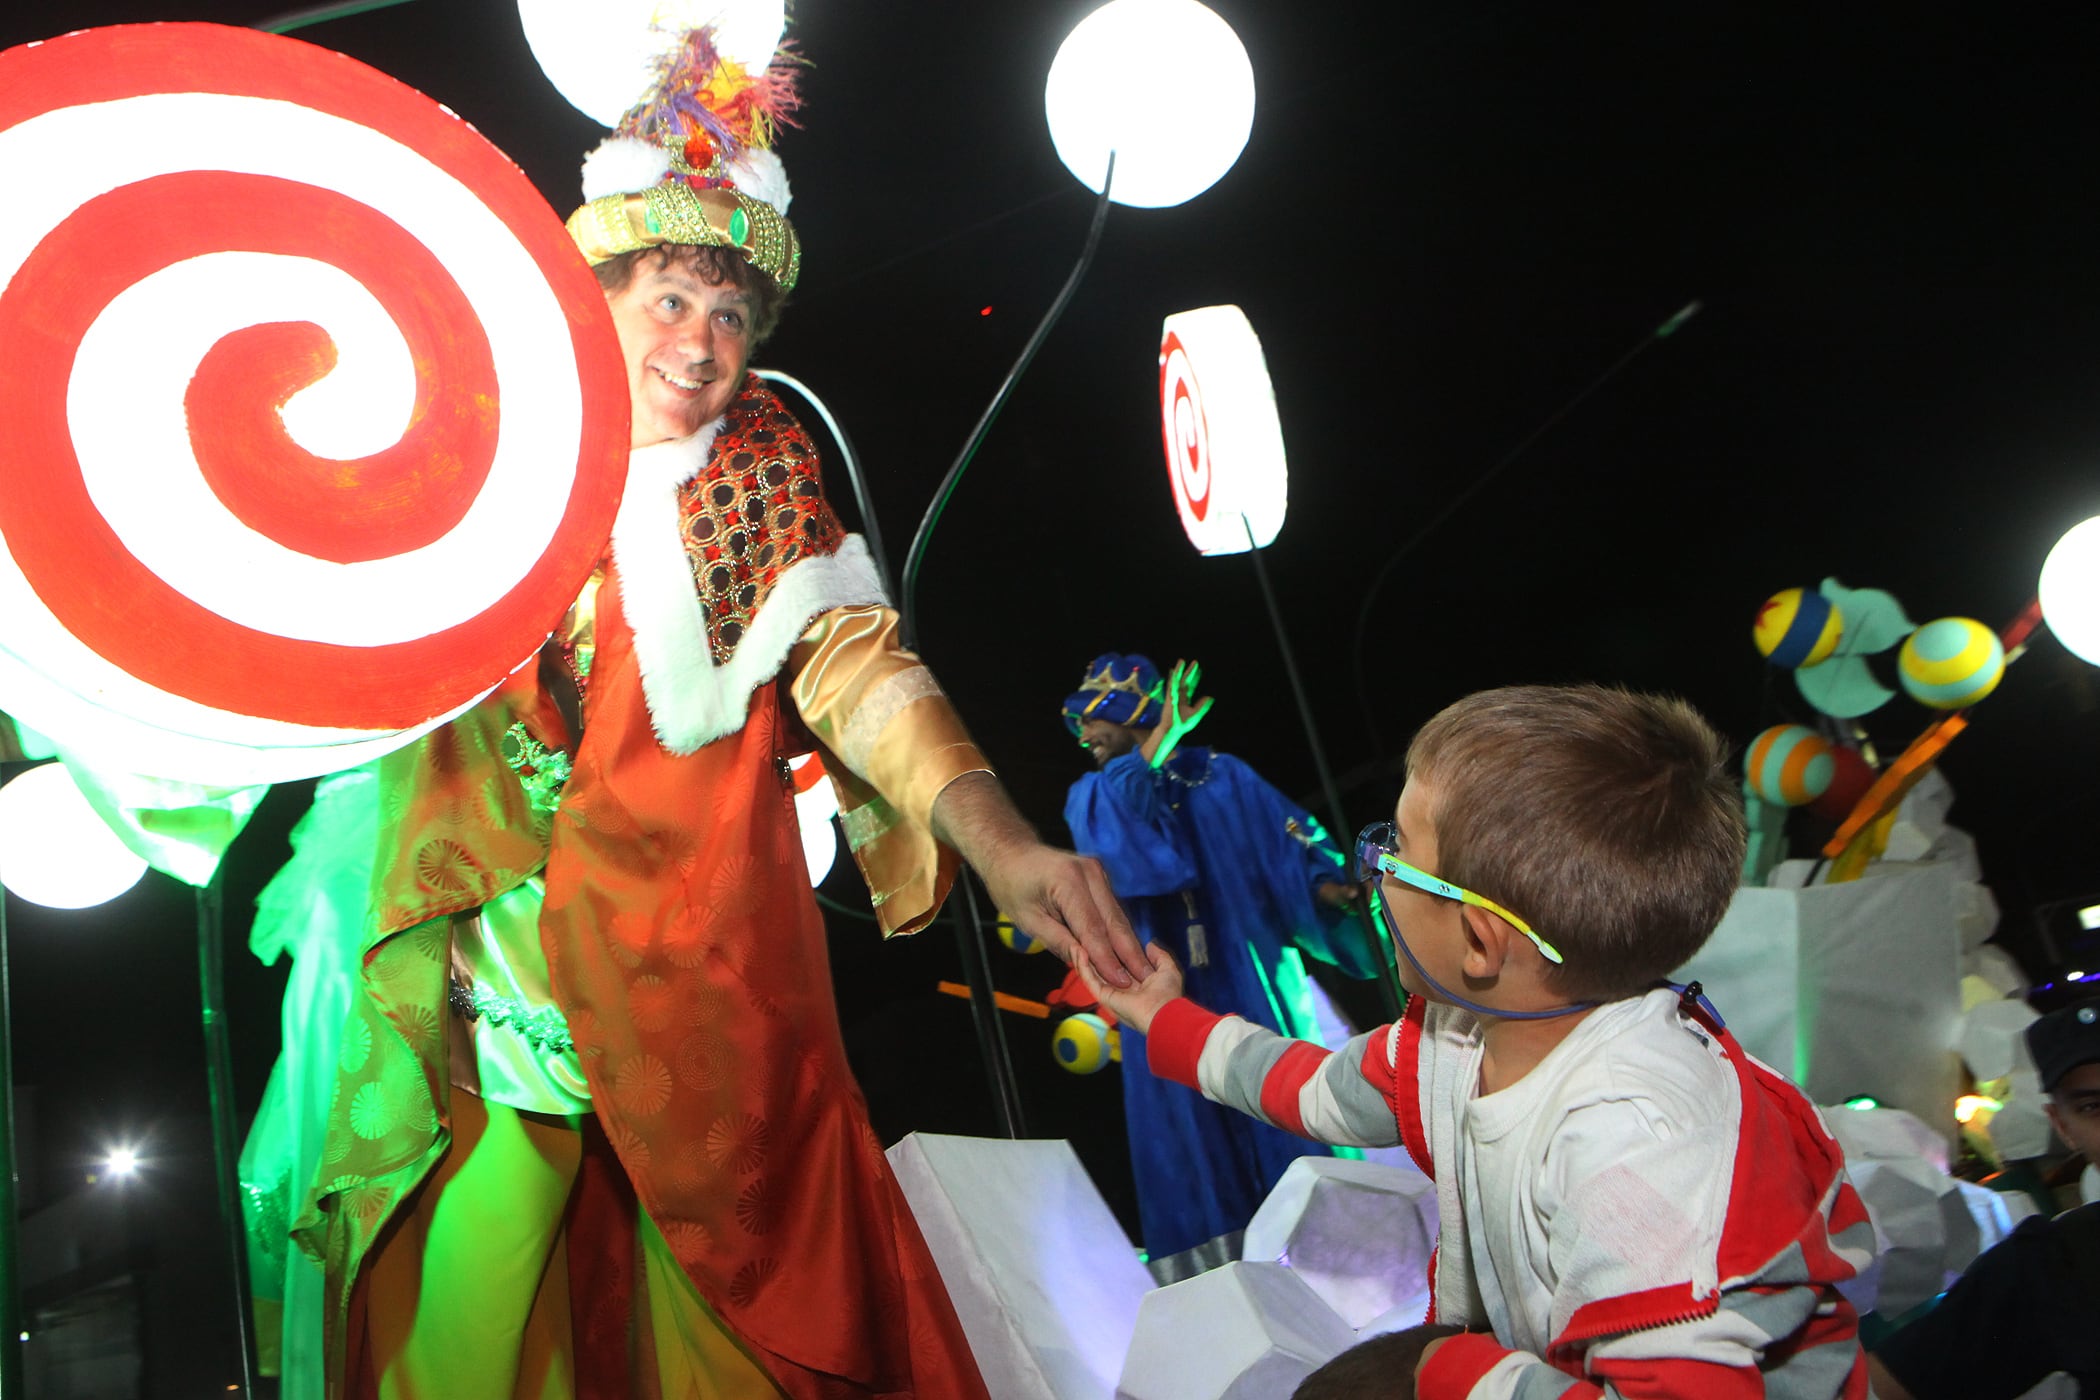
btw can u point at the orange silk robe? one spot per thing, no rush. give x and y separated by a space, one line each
686 950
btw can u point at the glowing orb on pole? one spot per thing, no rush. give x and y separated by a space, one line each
375 450
1166 85
1224 442
598 53
54 849
2070 590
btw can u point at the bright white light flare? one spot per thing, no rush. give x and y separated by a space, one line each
1166 85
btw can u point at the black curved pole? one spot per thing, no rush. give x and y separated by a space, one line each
225 1137
915 557
850 459
970 930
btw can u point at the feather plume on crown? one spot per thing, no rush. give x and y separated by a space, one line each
698 92
691 161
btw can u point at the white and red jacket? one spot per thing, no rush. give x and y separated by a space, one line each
1649 1212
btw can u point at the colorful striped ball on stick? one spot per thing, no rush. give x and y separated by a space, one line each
1789 764
1012 937
1797 627
1082 1043
1951 663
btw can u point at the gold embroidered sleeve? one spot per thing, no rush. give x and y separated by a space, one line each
893 742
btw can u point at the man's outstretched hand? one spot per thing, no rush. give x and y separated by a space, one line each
1136 1006
1059 899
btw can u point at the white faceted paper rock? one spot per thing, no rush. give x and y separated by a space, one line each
1885 1134
1995 1212
2021 1129
1991 1040
1248 1331
1976 916
1922 1227
1921 820
1359 1233
1999 968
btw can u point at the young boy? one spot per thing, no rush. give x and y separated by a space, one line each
1630 1204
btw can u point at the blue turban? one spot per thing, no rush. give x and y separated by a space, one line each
1120 689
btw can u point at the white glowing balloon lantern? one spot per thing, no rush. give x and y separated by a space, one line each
2070 590
54 849
1224 442
1166 85
598 53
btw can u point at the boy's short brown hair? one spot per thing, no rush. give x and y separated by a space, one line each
714 266
1610 820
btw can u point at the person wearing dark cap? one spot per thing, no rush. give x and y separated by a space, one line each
1236 880
2028 1307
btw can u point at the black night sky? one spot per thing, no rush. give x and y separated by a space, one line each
1450 220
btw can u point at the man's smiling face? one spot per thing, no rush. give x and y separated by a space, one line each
1106 741
685 342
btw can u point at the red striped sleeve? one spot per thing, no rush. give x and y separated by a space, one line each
1402 1084
1175 1042
1458 1365
1673 1377
1300 1061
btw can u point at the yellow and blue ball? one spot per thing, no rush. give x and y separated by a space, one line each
1952 663
1084 1043
1790 764
1013 938
1797 627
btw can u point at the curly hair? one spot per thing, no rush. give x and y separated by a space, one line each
714 266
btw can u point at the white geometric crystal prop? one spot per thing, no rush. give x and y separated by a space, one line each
1976 915
54 849
1885 1134
1999 968
1408 1312
1045 1282
1247 1331
2070 590
1991 1040
2021 1128
1995 1212
1165 85
597 53
1358 1233
1226 462
1921 819
1923 1227
1853 988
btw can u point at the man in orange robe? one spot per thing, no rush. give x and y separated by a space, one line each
595 1132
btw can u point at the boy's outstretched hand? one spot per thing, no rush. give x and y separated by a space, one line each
1136 1006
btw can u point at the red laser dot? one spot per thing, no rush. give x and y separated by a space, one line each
985 311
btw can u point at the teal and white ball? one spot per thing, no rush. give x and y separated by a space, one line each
1951 663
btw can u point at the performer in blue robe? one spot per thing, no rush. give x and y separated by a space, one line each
1235 880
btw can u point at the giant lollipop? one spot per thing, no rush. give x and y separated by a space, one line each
312 415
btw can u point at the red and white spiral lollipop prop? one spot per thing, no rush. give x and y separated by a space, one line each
1218 423
312 415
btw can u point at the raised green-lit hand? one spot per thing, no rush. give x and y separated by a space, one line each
1181 713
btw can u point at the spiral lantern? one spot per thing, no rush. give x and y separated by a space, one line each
313 418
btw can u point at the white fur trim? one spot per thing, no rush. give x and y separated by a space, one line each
691 700
623 165
760 174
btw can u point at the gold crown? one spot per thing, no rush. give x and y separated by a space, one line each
1106 683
